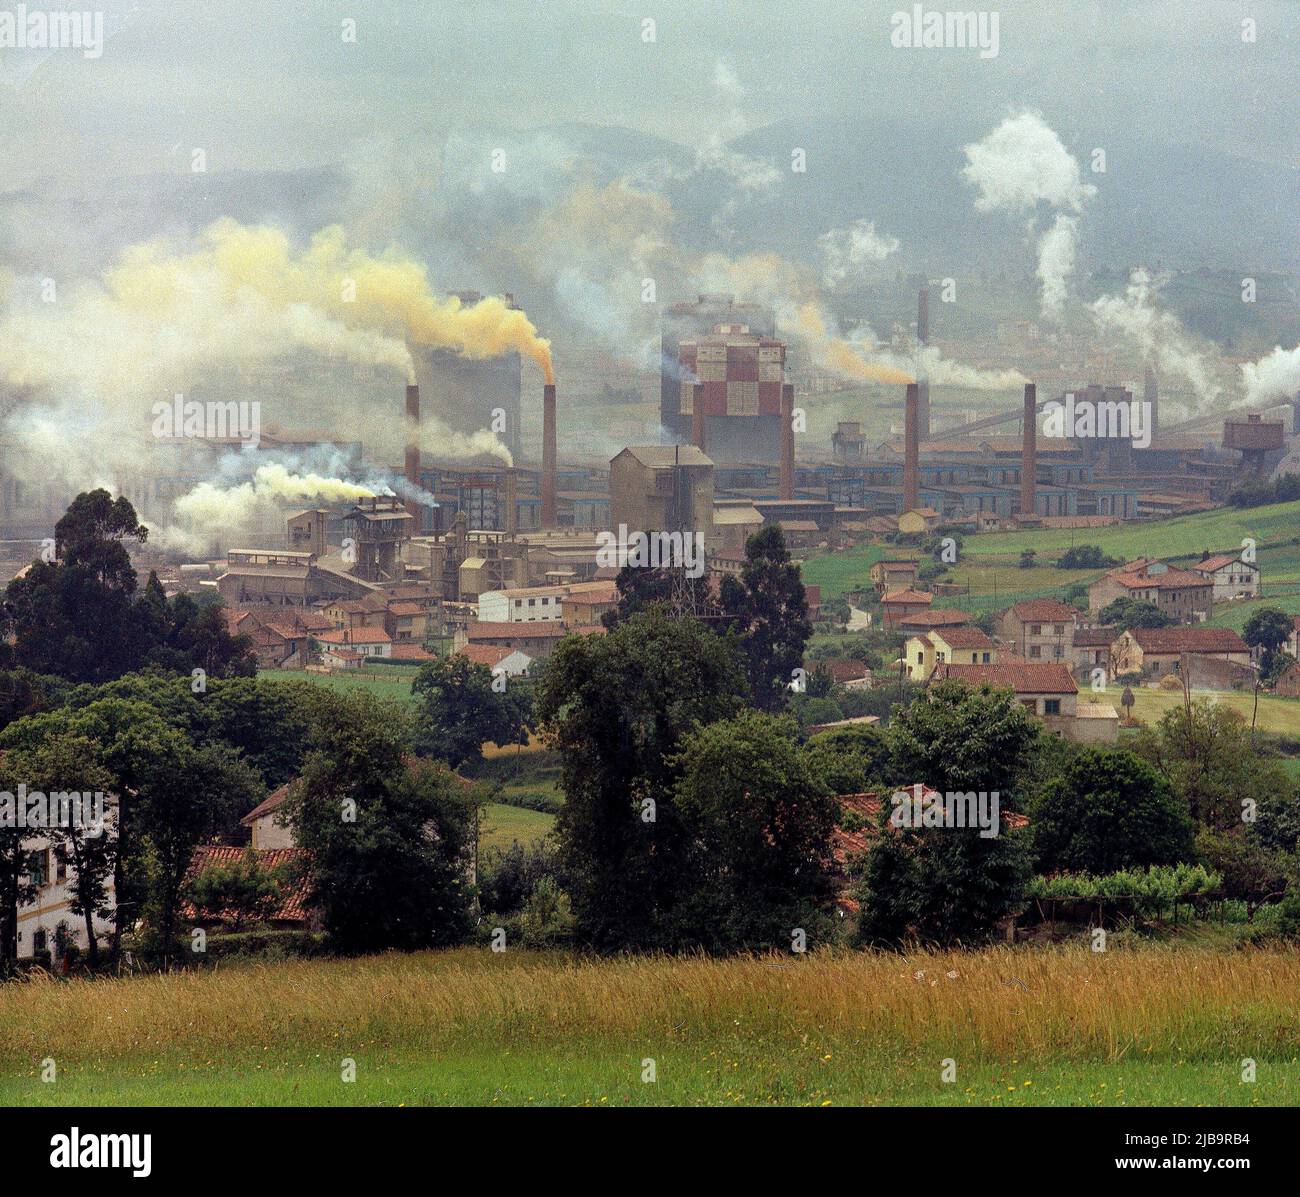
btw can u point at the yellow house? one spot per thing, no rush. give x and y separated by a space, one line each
961 645
919 519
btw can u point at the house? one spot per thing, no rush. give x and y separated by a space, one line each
47 920
1154 652
937 617
407 621
1291 645
338 657
1232 577
893 574
1185 596
522 604
293 910
918 520
814 729
1040 629
1047 690
585 602
897 604
355 614
498 658
1092 651
844 671
368 641
940 646
1288 685
535 639
261 821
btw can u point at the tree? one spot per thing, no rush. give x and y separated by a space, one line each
390 839
1127 614
849 760
1268 629
1205 752
769 613
940 885
1086 556
462 706
245 891
1108 811
959 740
1027 558
617 708
759 822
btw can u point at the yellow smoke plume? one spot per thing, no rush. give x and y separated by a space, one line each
389 293
844 357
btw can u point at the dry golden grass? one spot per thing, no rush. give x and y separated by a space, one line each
1064 1003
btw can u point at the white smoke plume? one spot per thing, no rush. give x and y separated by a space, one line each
1276 376
1157 334
1020 166
850 252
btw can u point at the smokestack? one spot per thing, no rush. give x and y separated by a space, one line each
697 417
923 339
414 508
511 501
548 456
1029 454
911 452
1151 394
787 441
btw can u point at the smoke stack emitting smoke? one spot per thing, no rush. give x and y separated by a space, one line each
548 456
412 455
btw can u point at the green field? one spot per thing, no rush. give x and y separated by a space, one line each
1275 714
391 681
501 825
1138 1025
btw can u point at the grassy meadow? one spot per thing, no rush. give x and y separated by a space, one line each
1063 1025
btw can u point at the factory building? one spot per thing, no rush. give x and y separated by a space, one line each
687 321
662 488
731 387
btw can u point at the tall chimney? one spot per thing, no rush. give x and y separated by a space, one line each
911 452
787 441
697 417
923 339
548 456
413 506
1029 454
511 501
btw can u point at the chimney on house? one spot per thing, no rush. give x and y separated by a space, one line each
697 416
412 464
1029 454
911 451
923 383
548 456
787 441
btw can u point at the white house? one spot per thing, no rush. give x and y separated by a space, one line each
40 921
369 642
522 604
1232 577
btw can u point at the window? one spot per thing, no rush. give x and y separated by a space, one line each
986 658
1036 629
41 868
1052 706
1058 652
1058 629
1035 652
939 657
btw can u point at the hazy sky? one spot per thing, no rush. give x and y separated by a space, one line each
271 83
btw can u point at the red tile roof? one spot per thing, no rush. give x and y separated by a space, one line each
941 617
486 654
1171 579
1044 609
1189 640
412 652
547 629
293 907
907 596
353 636
963 636
1029 678
1218 561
